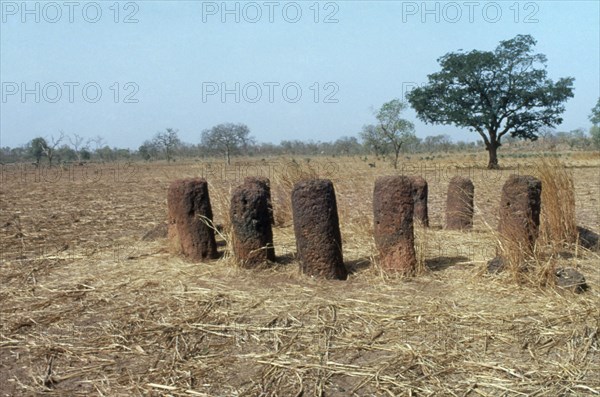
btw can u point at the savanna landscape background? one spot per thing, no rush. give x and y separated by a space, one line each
105 104
92 303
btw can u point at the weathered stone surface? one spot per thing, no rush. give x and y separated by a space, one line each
459 204
393 207
266 185
420 192
317 230
588 239
520 204
571 279
189 202
251 223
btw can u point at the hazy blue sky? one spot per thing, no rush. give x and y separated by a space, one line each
170 62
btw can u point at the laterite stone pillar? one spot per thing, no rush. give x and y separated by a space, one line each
459 204
251 223
393 207
317 229
189 210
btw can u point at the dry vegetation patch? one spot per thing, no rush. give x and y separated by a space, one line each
89 308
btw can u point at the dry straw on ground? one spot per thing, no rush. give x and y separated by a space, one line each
558 224
88 308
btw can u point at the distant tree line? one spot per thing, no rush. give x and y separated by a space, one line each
166 146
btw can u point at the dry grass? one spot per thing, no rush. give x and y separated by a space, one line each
88 308
281 188
557 219
557 232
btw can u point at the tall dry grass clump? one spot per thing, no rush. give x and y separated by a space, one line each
534 260
557 219
517 249
518 259
281 189
220 199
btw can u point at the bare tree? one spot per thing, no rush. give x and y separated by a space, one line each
227 138
98 142
78 145
50 147
167 141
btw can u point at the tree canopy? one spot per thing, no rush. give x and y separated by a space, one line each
37 148
595 130
595 115
228 138
167 141
391 132
505 91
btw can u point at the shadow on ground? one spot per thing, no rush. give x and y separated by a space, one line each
357 265
286 259
443 262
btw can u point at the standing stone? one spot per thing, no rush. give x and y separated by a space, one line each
520 204
317 229
251 223
393 207
266 185
459 204
188 203
420 192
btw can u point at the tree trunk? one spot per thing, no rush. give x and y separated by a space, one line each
228 157
397 154
492 149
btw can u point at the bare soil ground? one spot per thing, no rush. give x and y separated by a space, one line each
89 308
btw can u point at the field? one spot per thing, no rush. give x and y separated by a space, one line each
91 307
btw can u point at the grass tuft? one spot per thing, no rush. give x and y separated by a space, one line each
558 227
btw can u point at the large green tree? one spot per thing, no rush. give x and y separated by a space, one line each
505 91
